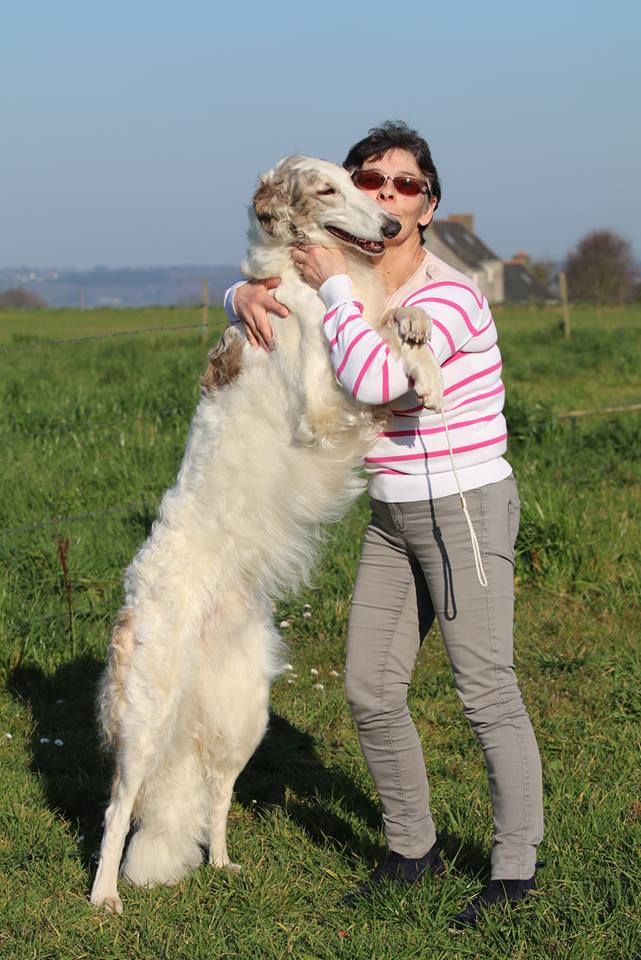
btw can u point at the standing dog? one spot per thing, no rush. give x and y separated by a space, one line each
271 455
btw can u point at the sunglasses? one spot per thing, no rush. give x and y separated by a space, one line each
374 180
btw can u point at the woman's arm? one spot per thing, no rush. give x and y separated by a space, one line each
365 366
250 303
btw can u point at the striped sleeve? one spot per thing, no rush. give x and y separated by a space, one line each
361 359
460 315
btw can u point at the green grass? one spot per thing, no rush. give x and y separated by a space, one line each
99 427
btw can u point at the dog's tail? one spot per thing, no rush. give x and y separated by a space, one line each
111 693
172 824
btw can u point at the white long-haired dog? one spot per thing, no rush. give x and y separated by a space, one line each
271 455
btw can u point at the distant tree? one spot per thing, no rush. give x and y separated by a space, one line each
600 269
21 298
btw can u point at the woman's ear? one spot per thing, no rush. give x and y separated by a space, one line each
427 216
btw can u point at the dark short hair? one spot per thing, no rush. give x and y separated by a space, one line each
395 135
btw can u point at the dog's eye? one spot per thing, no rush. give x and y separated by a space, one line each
326 192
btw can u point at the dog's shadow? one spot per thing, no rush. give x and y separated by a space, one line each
285 772
73 770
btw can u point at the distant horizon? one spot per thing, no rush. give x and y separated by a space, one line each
119 266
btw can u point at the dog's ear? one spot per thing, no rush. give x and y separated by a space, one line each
270 203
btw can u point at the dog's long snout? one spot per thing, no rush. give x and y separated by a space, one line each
391 228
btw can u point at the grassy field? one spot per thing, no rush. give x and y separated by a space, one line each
94 431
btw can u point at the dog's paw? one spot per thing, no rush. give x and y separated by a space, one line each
426 375
413 324
429 391
224 863
110 903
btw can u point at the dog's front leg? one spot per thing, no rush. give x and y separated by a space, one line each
408 330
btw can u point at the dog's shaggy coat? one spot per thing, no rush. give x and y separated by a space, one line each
270 457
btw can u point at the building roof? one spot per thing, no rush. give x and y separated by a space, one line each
464 244
521 285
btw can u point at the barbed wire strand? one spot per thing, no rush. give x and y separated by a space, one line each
40 343
141 504
101 426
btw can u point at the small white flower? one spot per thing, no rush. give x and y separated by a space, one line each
307 606
318 686
288 666
45 740
295 676
80 838
307 615
291 681
9 736
314 672
254 801
284 624
59 743
334 673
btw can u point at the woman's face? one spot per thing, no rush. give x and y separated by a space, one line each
410 211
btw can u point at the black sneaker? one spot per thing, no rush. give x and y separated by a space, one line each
496 893
397 868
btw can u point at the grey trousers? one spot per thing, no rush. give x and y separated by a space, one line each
417 563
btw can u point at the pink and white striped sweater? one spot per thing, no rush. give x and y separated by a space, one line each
410 460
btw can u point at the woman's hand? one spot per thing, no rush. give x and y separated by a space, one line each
318 264
253 302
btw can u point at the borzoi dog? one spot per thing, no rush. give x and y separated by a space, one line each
271 455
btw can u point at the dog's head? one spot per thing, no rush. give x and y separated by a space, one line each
304 200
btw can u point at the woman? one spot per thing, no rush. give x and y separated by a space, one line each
417 559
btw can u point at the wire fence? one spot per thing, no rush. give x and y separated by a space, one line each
74 518
577 414
40 342
53 428
142 503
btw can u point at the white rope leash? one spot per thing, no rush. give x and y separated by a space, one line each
480 571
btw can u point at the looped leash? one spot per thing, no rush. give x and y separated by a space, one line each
478 561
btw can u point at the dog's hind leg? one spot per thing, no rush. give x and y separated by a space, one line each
172 819
223 787
223 777
246 721
104 892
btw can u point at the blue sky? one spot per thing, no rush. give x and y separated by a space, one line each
133 131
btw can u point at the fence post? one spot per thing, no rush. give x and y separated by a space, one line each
565 307
205 299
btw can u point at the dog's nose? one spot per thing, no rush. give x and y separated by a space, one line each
391 228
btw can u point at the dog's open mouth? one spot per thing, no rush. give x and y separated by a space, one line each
369 246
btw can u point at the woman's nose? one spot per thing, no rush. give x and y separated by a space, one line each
387 190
